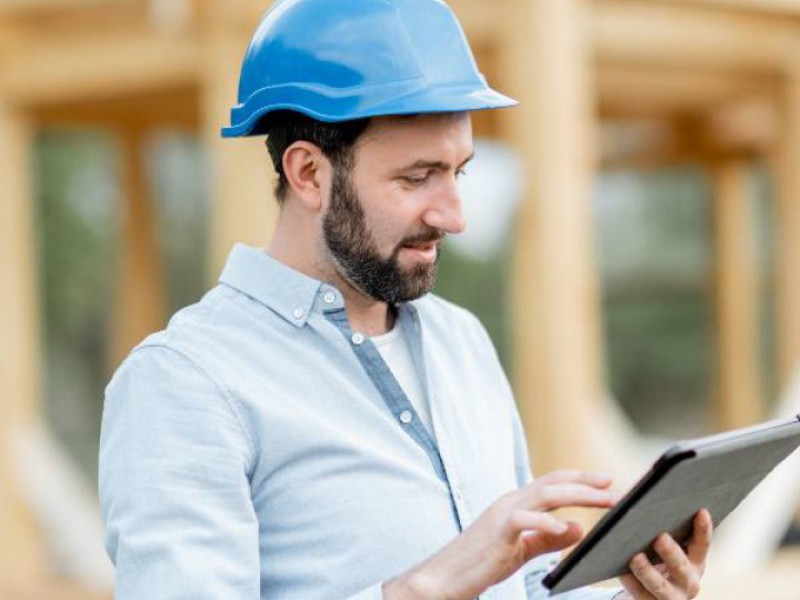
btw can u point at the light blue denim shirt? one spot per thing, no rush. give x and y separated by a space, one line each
260 448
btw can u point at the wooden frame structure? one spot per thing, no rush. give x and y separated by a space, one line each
721 76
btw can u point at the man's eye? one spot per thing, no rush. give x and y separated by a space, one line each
461 172
415 180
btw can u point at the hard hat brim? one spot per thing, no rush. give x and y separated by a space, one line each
439 99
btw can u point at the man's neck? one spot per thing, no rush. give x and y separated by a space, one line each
365 314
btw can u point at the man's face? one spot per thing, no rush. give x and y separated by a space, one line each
388 214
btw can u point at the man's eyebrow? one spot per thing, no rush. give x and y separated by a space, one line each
433 164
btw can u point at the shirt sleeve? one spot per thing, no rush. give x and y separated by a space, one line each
174 485
540 566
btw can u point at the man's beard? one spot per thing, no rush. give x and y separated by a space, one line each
357 255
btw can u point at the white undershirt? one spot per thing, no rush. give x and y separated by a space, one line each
394 349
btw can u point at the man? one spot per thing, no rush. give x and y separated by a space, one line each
319 426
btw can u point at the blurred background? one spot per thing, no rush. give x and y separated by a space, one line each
632 246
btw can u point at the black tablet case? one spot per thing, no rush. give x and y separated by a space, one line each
714 473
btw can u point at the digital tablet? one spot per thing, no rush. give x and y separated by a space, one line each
714 472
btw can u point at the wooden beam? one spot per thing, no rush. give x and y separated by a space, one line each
641 91
82 18
98 66
557 372
163 108
483 22
738 398
750 124
787 233
480 20
671 35
13 40
21 547
173 16
734 130
141 303
243 205
789 8
27 7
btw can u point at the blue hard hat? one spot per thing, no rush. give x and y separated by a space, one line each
337 60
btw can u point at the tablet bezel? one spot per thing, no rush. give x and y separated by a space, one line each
666 462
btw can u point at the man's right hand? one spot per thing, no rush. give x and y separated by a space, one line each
512 531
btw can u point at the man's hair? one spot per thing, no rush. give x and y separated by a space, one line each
336 140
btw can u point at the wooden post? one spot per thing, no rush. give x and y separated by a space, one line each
787 233
141 304
557 371
243 205
21 548
738 390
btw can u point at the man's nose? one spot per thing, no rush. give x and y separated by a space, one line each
445 211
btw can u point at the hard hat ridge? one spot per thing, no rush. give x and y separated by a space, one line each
338 60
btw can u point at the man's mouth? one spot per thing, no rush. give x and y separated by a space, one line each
426 251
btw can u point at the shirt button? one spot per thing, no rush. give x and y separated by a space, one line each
358 339
329 297
297 313
406 416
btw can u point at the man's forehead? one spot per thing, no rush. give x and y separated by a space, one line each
424 136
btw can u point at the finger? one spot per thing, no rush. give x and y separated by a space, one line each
527 520
701 538
541 542
590 478
559 495
680 571
634 588
652 581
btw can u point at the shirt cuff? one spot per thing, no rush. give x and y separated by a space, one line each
374 592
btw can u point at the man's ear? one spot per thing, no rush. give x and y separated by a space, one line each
306 170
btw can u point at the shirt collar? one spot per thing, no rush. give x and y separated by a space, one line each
288 292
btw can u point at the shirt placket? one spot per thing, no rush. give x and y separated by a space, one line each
443 434
395 399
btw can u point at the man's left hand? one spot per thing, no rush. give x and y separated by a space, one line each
678 577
